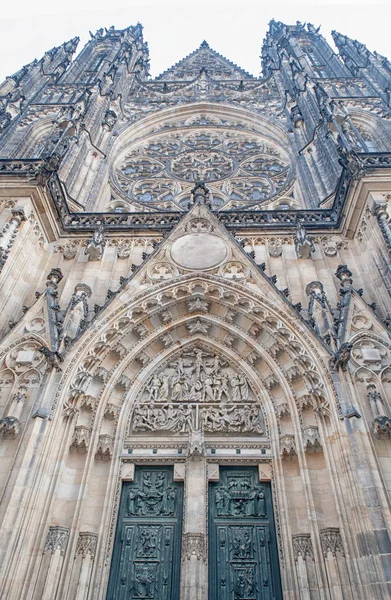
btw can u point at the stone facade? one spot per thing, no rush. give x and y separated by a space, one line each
195 274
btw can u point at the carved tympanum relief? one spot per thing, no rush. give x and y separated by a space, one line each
198 390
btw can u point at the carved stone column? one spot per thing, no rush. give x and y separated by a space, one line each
305 568
84 560
334 558
8 234
194 572
56 544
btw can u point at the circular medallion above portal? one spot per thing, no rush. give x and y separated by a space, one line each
199 251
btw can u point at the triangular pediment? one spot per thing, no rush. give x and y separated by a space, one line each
204 59
34 323
362 319
198 248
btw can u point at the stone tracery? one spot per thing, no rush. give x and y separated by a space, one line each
241 169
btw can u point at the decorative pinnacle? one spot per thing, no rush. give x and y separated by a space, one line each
344 274
200 193
204 44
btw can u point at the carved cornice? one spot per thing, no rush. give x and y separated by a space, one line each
83 222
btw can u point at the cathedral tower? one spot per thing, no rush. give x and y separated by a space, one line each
195 311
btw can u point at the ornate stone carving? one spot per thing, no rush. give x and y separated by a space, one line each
341 357
242 169
283 410
311 439
165 316
124 248
10 427
96 244
144 358
167 340
303 243
198 390
287 445
234 270
199 376
371 354
111 411
69 249
198 225
194 544
81 438
104 450
77 311
57 539
86 544
167 418
302 546
244 420
382 426
270 381
331 541
196 444
162 270
275 247
88 401
24 357
198 326
197 305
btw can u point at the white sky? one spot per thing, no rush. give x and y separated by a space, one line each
30 27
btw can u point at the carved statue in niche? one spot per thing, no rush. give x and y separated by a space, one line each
198 390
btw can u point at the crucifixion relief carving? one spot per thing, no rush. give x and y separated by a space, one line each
198 390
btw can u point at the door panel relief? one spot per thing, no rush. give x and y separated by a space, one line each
146 555
243 561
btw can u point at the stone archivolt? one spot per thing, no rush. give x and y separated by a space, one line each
165 404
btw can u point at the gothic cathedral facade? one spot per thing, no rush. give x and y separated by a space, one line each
195 323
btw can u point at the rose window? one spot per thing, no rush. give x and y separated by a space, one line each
241 170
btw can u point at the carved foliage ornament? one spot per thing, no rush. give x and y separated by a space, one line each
86 544
57 539
302 546
331 541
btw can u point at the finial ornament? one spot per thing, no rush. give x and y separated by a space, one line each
200 193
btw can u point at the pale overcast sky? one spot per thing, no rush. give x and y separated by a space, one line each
30 27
